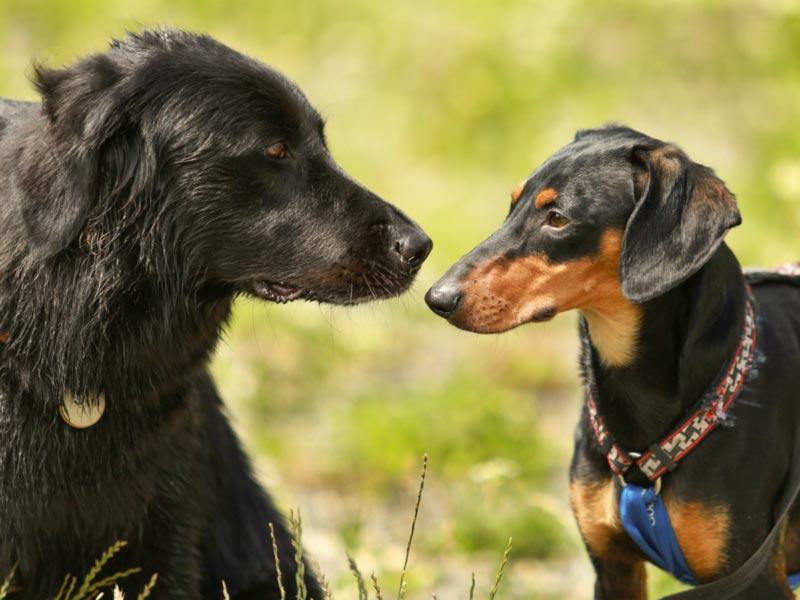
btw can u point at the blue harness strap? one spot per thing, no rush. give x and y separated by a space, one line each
794 580
646 521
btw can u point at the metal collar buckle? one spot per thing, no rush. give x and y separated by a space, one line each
621 476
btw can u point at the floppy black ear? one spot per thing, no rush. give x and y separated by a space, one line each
681 216
59 176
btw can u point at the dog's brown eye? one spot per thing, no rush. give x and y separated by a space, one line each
277 150
556 220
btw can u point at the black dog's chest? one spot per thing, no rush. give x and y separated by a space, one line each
96 485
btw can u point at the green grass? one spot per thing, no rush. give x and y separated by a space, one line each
464 422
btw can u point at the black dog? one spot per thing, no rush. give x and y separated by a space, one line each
628 230
153 185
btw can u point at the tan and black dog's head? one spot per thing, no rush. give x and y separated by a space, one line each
612 220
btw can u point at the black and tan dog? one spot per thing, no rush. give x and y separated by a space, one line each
628 230
152 185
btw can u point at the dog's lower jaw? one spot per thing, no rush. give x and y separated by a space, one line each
614 333
275 292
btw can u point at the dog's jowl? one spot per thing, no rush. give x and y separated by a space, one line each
151 186
691 368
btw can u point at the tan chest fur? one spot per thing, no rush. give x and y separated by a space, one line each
701 529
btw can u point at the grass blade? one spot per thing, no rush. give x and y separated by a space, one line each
327 590
6 587
500 571
378 594
402 588
85 588
277 561
296 524
145 593
362 588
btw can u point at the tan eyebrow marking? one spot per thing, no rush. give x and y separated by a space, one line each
545 197
517 192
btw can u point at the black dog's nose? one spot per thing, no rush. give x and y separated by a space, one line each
443 300
414 247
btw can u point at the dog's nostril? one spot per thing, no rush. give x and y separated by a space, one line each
444 300
414 247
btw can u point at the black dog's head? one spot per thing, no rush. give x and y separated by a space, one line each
612 220
219 159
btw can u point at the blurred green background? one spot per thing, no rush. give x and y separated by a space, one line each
442 107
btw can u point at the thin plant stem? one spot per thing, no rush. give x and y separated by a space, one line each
500 571
402 588
277 561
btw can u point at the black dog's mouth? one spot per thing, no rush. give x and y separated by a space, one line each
340 284
280 292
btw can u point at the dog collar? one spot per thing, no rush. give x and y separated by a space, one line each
78 415
708 412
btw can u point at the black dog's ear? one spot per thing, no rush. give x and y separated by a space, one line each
683 211
59 177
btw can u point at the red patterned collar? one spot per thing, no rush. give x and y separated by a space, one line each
708 412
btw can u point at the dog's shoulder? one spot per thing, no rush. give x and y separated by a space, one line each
785 274
777 299
776 290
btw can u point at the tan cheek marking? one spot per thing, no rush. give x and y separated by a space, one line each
517 192
4 335
597 514
502 293
702 533
545 197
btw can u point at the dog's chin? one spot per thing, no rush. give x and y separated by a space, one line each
542 315
279 292
360 291
496 324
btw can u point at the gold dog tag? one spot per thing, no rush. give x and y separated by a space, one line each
82 416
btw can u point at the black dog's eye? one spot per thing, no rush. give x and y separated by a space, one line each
556 220
277 151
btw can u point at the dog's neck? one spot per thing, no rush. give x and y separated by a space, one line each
684 338
82 325
115 311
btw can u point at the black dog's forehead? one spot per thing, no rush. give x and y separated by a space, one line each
216 84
